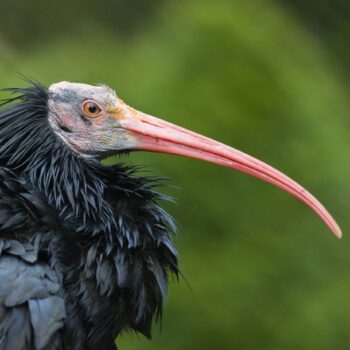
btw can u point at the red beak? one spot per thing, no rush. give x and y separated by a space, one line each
153 134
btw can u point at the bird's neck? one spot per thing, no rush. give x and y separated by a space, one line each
74 187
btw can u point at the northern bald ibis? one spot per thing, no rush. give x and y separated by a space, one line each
85 248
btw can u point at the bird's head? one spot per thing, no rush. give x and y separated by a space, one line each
93 122
89 119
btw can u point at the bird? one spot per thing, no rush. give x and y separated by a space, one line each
86 250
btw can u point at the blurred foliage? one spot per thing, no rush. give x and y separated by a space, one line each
329 21
268 77
45 20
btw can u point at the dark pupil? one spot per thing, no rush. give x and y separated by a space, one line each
92 108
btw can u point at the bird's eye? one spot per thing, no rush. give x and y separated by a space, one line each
91 109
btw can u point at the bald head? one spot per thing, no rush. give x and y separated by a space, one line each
69 92
84 117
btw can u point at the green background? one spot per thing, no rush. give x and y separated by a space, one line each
268 77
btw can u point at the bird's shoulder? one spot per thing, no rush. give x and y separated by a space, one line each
32 309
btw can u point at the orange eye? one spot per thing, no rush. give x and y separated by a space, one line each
91 109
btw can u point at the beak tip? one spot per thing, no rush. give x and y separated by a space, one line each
337 232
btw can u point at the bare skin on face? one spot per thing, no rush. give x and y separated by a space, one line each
87 134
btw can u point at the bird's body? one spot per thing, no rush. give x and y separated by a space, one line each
85 249
89 284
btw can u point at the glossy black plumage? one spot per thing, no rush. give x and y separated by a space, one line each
85 249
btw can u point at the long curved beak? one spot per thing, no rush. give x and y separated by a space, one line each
153 134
